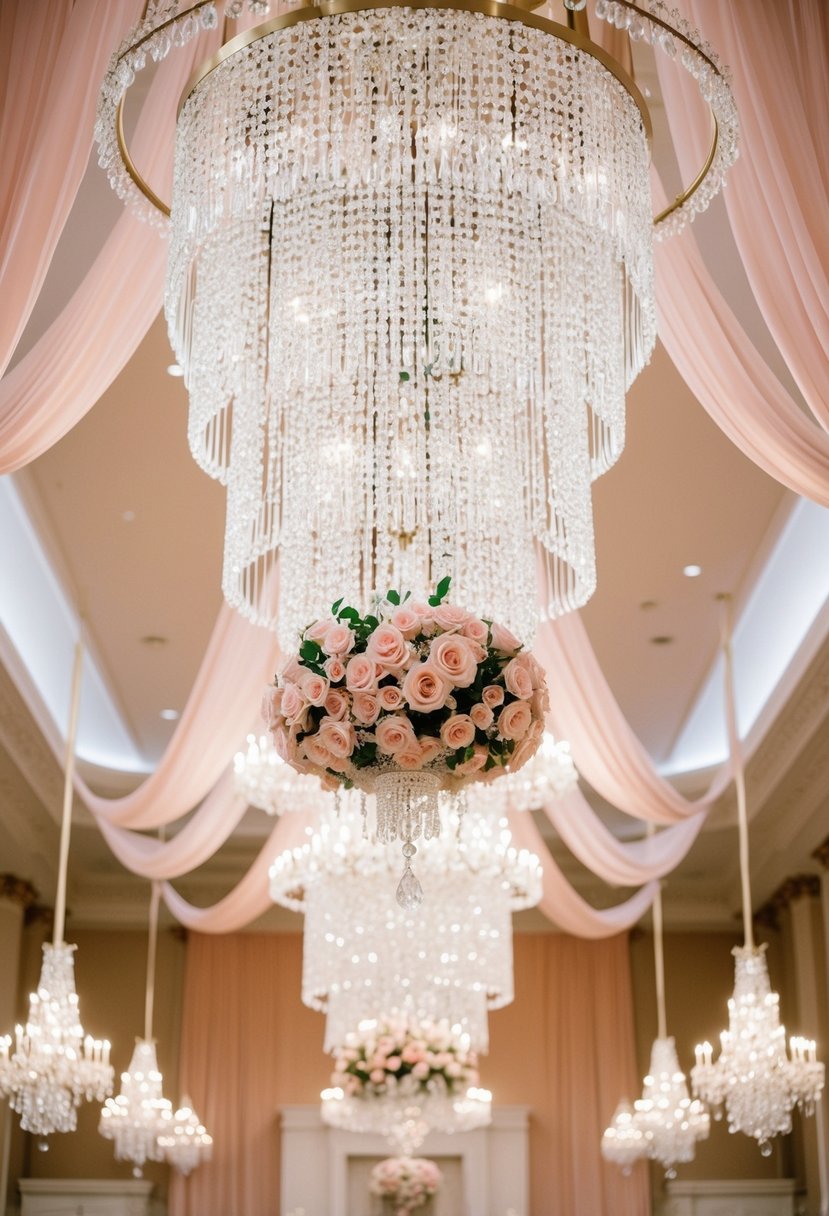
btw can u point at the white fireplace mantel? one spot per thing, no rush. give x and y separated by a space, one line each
494 1161
85 1196
731 1197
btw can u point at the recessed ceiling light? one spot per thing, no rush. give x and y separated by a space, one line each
662 639
170 715
154 639
692 571
175 370
647 605
128 516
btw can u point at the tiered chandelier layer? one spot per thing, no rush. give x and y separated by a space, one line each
410 281
364 954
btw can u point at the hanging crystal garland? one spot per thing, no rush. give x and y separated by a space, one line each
408 322
140 1120
186 1143
665 1123
362 951
54 1065
754 1080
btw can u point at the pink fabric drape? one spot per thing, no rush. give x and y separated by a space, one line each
250 897
73 364
605 749
626 863
53 54
778 195
565 1047
240 660
561 904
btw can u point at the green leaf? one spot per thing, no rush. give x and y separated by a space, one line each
349 614
335 608
310 651
490 763
393 597
443 586
434 600
404 376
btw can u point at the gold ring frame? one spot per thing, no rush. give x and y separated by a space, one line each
520 11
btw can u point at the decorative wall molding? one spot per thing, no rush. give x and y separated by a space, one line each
796 887
750 1197
821 853
17 890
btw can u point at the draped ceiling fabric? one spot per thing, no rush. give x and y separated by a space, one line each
565 1047
67 370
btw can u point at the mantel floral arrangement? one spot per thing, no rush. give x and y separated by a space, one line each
388 1054
418 687
407 1181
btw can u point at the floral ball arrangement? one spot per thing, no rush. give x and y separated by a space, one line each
418 687
407 1181
388 1054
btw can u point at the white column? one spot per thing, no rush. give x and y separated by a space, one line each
810 985
15 896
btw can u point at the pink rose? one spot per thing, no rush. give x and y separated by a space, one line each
493 695
393 1063
291 672
477 630
338 737
406 621
421 1070
316 632
524 750
377 1076
314 688
502 640
518 680
336 704
475 762
388 647
481 715
425 689
293 702
458 731
365 708
540 702
410 757
450 618
271 705
514 720
334 668
452 658
338 641
394 734
316 751
361 674
390 697
430 748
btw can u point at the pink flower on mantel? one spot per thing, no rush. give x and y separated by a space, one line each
425 689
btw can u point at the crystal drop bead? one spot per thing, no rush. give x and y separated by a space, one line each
409 891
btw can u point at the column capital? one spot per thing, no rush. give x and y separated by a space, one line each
821 854
793 888
17 890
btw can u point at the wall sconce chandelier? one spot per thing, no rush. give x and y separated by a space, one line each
409 283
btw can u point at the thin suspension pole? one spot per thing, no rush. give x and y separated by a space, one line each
658 957
68 784
149 996
736 749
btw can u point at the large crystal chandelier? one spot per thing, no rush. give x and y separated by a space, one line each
186 1142
410 281
364 953
55 1065
665 1123
753 1080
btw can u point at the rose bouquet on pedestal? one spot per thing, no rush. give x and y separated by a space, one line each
402 1078
408 1182
420 697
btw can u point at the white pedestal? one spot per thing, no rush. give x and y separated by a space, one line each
315 1163
85 1197
751 1197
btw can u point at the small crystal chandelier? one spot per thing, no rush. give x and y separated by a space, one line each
185 1142
753 1080
363 952
140 1120
410 297
665 1123
54 1065
263 778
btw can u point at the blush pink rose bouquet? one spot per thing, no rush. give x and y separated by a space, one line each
417 687
399 1055
407 1181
